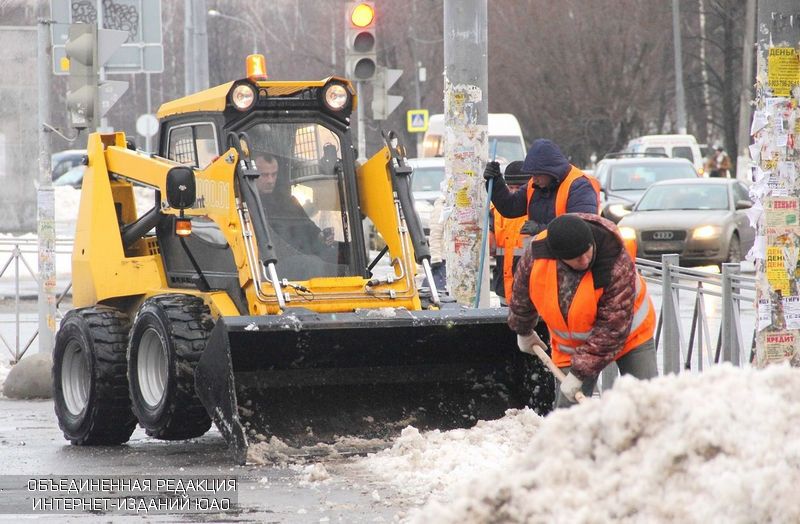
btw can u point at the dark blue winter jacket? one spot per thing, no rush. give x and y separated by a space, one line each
544 156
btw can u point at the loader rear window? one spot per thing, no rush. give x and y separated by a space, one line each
193 145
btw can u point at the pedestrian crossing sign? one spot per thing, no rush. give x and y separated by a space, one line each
417 120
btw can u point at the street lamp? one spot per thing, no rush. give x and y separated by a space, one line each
253 29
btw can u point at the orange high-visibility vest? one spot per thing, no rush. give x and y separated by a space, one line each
562 195
631 247
567 334
509 242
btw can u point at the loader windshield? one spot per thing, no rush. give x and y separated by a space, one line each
302 189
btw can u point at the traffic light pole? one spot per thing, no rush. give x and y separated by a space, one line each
361 138
45 200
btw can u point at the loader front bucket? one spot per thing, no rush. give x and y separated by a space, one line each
308 377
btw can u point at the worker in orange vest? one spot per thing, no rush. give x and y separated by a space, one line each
555 187
595 304
507 239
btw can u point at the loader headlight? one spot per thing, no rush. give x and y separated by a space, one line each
335 97
243 96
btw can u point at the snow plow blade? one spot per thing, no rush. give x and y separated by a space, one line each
310 377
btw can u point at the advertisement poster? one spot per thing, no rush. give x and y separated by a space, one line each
781 212
777 276
783 70
779 346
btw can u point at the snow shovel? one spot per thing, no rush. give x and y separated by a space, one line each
547 361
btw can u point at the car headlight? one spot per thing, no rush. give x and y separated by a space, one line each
618 210
627 233
705 232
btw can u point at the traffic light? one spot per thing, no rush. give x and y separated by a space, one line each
382 102
87 49
80 49
360 55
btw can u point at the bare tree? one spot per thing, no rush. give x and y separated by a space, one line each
722 63
589 75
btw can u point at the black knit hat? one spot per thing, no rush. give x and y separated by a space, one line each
514 175
568 236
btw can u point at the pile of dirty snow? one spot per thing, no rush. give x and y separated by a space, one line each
5 369
723 446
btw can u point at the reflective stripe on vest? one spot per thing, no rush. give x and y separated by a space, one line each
501 251
567 334
562 195
639 316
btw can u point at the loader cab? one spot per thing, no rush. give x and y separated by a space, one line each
307 189
312 210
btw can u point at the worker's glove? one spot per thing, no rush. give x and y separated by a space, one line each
531 227
571 386
492 171
526 342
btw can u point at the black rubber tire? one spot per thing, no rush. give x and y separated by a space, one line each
178 326
90 393
734 249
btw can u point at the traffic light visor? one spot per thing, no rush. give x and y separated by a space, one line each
363 15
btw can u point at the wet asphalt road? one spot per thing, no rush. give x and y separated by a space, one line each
31 445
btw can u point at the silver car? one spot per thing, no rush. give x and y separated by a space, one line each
624 177
703 220
426 182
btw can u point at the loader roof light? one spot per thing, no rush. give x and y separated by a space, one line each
336 97
362 15
256 67
183 227
243 96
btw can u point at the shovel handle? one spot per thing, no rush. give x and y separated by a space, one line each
547 361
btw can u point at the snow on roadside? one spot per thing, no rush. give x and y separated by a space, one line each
723 446
5 369
436 462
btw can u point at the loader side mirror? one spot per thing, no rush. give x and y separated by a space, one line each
181 187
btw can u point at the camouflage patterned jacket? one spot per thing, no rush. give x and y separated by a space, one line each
612 269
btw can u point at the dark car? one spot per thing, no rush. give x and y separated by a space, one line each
63 161
73 177
624 177
703 220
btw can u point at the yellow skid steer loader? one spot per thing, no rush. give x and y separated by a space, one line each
243 293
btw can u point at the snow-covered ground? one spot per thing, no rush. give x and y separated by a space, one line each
723 446
5 368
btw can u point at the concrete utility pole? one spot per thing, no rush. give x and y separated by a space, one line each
466 147
746 95
200 44
775 156
45 199
195 46
188 49
680 99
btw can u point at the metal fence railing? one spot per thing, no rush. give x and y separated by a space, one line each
18 279
710 339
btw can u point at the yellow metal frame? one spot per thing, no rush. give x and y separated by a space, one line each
103 273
